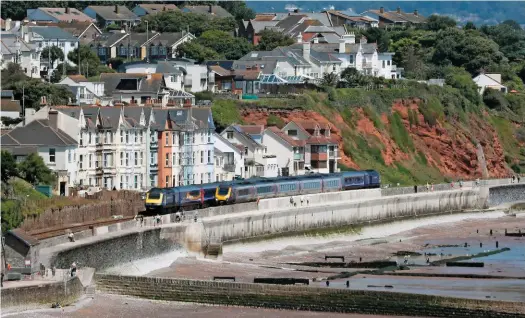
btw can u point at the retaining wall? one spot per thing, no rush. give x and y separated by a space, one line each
506 194
302 298
63 293
301 218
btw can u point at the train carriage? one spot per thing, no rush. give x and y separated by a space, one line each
190 197
354 180
287 187
332 183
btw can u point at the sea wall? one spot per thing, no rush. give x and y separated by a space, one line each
506 194
47 293
301 298
303 217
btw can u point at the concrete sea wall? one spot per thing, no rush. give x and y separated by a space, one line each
301 218
301 298
62 292
506 194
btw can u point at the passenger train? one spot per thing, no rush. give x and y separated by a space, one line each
169 200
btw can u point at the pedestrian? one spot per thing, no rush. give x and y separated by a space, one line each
71 237
432 187
428 187
2 280
302 200
518 179
158 219
73 269
196 216
291 200
460 184
141 220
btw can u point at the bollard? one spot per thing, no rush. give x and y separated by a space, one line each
360 259
505 231
497 244
466 244
491 232
327 283
477 231
347 283
480 244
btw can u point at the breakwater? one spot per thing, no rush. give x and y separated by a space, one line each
303 298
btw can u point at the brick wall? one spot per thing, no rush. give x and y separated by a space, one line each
302 298
43 294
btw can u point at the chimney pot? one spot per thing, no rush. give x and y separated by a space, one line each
210 8
382 10
415 12
116 8
398 10
68 10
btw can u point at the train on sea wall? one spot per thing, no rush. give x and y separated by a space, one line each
183 198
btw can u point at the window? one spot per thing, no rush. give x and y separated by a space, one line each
152 158
141 137
209 177
209 156
167 159
127 137
384 63
292 132
136 182
141 158
229 135
246 150
209 136
52 155
193 157
123 50
351 59
202 178
136 158
89 139
136 137
202 156
388 62
193 138
97 138
174 159
121 158
167 181
101 51
167 139
127 182
122 182
152 136
121 136
127 159
68 155
202 137
80 161
173 141
81 141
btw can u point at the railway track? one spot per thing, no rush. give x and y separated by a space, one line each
77 227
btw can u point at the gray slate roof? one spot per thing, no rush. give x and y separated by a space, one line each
37 133
8 44
215 11
112 81
108 13
52 33
197 117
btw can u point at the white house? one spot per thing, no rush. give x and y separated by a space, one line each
233 159
10 107
15 50
291 158
86 92
492 81
57 148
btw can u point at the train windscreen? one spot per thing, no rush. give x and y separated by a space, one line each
154 194
223 190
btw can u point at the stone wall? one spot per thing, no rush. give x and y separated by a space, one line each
302 298
506 194
46 293
106 204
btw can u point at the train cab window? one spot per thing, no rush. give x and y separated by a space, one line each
154 194
195 193
223 190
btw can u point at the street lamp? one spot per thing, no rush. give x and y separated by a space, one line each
17 47
147 39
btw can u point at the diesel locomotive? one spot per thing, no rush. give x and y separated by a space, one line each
170 200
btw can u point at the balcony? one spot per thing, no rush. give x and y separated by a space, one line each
319 156
333 154
229 167
86 96
298 156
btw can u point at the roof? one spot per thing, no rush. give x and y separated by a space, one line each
167 39
8 44
62 15
320 140
200 118
217 152
251 129
284 137
151 85
52 33
37 133
215 10
108 13
259 26
6 93
78 78
232 146
152 8
10 105
399 16
290 22
245 138
322 17
167 68
24 237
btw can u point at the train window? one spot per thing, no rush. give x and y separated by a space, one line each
154 194
224 190
243 192
264 189
194 193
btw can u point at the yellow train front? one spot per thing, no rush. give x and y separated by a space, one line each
223 194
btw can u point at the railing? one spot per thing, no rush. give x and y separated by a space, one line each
86 96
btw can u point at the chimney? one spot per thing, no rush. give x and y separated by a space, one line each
299 38
316 40
398 10
381 10
164 8
415 12
306 50
116 8
8 24
210 8
68 10
24 32
342 45
53 118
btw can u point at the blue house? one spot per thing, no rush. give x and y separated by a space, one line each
57 15
112 15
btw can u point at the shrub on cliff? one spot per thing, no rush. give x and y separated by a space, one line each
273 120
399 133
495 99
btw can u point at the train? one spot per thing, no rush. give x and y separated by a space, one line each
191 197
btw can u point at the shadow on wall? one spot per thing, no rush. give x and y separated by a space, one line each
506 194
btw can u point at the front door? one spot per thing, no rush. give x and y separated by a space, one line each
62 188
331 166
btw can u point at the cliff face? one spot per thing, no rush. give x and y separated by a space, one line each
467 150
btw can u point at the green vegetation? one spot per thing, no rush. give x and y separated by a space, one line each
271 39
273 120
215 44
399 133
225 113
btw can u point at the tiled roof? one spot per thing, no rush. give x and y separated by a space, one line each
60 14
78 78
400 17
108 13
292 142
251 129
215 11
151 85
152 8
259 26
52 33
37 133
320 140
10 105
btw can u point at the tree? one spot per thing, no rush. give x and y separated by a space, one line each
271 39
52 54
196 51
34 170
470 26
11 74
495 99
409 54
238 9
232 48
89 61
176 21
351 76
34 89
56 76
459 78
510 37
8 164
329 80
439 22
377 35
